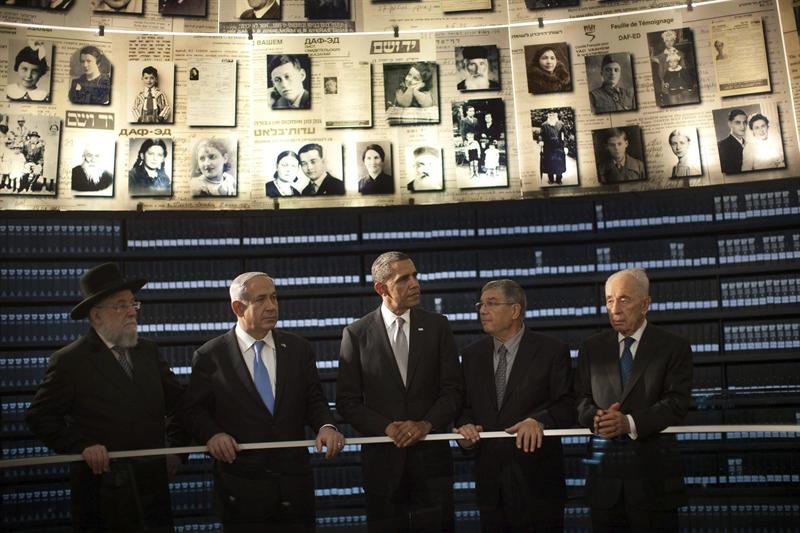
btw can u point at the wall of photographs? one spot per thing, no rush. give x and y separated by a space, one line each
594 97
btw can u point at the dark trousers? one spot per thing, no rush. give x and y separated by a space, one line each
249 497
133 496
419 503
624 517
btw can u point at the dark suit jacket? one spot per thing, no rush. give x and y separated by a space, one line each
86 398
382 184
540 387
730 155
223 398
657 395
330 186
370 393
81 182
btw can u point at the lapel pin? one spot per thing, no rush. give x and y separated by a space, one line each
283 345
420 329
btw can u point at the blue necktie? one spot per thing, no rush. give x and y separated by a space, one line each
261 378
626 361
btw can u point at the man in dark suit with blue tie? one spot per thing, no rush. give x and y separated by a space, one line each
399 377
520 382
632 383
257 384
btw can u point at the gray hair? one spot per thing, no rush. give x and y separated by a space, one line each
512 292
638 274
382 266
239 285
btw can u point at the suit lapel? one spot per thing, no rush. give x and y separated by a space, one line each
281 368
380 338
526 352
236 360
145 378
105 362
610 364
485 367
644 354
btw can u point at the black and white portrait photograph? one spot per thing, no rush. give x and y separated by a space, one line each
29 70
555 144
549 4
424 168
47 5
327 9
304 169
684 152
548 69
150 166
749 138
258 9
213 167
411 92
90 71
183 8
92 155
151 90
375 174
479 139
611 83
289 81
127 7
673 65
29 146
478 67
331 84
619 154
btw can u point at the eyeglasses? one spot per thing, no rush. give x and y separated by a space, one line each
490 305
120 308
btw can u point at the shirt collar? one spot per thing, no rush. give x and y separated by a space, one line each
389 317
105 341
637 335
260 12
246 341
512 344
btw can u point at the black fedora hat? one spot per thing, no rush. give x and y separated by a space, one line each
99 282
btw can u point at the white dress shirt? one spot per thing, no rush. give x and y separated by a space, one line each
268 356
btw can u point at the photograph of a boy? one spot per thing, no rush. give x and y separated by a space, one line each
29 81
150 104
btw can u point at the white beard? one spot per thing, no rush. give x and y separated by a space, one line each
93 174
473 83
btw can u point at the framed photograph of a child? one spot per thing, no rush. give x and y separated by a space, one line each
411 92
674 68
151 89
29 70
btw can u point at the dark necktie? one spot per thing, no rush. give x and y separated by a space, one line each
149 106
500 374
261 377
401 348
626 361
122 357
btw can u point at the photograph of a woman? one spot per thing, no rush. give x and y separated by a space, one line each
214 167
91 83
554 137
683 143
548 68
763 149
150 172
376 176
287 179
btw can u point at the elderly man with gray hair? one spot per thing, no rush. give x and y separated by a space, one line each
255 384
520 382
632 382
399 377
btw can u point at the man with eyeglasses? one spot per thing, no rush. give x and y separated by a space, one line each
399 377
252 384
108 391
520 382
632 382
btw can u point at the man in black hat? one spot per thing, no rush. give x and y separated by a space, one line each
110 390
476 63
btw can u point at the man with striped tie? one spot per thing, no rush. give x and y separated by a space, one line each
520 382
632 382
256 383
